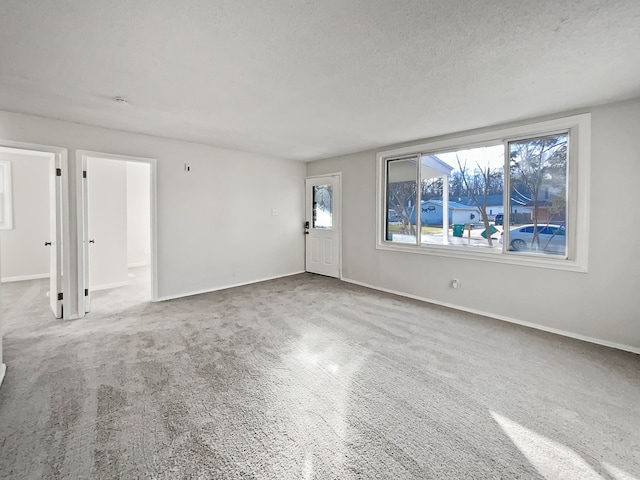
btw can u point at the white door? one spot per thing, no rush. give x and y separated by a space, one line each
55 243
323 225
86 241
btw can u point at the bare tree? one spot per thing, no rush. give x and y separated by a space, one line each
456 185
400 195
537 163
478 186
431 188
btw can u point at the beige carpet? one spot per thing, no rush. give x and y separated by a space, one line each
306 378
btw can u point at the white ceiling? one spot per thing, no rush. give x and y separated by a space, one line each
308 79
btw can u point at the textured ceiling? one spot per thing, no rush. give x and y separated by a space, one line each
316 78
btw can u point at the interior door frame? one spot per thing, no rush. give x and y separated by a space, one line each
63 250
340 201
83 253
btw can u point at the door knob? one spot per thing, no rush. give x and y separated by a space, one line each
92 241
47 244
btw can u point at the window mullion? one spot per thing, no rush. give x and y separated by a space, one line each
506 199
418 208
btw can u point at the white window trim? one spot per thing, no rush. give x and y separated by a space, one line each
7 224
579 169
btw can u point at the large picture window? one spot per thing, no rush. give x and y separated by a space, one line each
506 195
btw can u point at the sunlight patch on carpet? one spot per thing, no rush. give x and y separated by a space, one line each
551 459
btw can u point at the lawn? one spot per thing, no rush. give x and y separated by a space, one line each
399 228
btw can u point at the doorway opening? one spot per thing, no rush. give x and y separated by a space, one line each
31 229
118 231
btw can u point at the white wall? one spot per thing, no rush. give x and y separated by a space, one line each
107 198
24 254
3 367
601 304
138 214
215 227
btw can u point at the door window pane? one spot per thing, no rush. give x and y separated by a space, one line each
323 206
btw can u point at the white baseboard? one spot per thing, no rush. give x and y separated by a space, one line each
107 286
3 370
198 292
25 277
544 328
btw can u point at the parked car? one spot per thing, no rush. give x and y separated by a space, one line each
393 216
552 238
499 219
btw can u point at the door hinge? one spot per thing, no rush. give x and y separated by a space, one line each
60 296
86 292
58 172
84 174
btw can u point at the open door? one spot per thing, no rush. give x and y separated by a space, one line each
85 235
55 243
323 225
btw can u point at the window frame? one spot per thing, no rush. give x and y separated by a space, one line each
578 182
7 206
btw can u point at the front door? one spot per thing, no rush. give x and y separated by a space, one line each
323 225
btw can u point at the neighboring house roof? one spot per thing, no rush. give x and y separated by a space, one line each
452 205
497 200
492 200
541 203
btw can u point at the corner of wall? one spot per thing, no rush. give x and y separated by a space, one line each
3 370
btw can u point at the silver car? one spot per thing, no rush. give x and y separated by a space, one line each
551 238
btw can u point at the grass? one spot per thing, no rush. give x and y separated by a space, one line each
397 228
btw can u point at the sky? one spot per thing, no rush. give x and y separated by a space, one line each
493 155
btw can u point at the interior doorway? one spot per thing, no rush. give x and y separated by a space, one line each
118 205
31 223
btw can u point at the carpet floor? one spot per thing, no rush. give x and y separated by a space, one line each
305 377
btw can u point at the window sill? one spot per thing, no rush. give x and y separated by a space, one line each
487 255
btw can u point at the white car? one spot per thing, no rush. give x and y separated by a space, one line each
551 238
